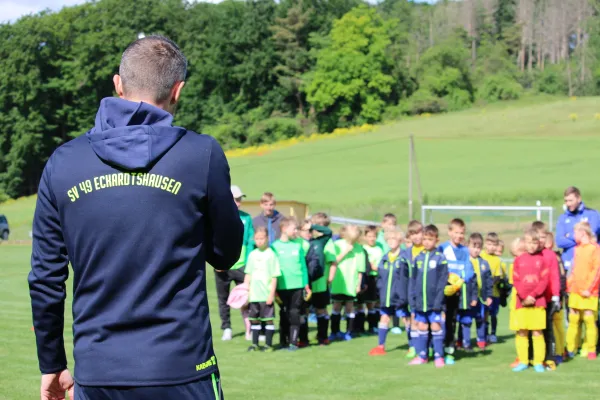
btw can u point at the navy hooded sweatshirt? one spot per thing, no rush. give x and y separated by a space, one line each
137 207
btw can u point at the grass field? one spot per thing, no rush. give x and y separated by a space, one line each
341 371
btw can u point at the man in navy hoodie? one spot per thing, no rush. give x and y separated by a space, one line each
575 211
137 206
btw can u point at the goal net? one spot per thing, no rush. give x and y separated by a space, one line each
507 221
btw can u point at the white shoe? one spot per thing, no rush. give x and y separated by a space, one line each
227 334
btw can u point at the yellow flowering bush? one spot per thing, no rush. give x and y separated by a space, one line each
265 148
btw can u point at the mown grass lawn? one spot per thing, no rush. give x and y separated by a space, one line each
341 371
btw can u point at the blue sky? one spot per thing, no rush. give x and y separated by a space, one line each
13 9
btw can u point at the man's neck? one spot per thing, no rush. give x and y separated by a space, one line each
284 238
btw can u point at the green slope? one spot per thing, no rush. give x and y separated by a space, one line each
506 154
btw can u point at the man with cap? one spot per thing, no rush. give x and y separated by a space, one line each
223 279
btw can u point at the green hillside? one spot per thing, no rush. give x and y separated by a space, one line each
513 153
505 154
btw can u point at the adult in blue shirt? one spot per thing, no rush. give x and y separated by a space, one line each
575 211
137 206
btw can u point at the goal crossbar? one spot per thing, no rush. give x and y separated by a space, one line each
537 209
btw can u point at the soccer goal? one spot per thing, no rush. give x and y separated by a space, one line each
507 221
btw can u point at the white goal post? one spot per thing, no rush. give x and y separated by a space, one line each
532 211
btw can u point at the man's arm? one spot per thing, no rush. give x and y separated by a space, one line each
49 272
562 241
224 229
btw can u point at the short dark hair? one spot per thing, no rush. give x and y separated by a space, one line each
321 218
414 227
572 190
539 226
492 237
431 230
389 217
370 228
476 238
456 222
152 66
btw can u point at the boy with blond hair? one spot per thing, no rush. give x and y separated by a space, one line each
415 236
269 218
290 285
530 276
427 281
262 271
489 255
375 253
345 278
484 289
393 287
582 286
459 265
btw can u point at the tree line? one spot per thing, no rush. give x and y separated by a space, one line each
261 71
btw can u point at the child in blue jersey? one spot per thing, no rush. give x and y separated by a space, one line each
484 285
415 238
428 278
459 263
392 285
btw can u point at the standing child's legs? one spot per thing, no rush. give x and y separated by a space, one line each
438 339
384 322
522 346
549 358
350 319
359 318
284 319
336 319
573 331
539 348
372 316
254 317
420 340
558 324
466 320
481 326
295 304
303 335
413 337
494 309
591 332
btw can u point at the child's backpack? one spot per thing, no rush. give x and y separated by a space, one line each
315 257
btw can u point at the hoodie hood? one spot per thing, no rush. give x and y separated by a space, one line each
132 135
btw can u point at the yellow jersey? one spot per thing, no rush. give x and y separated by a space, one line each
496 270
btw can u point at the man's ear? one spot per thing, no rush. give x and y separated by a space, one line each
118 85
176 92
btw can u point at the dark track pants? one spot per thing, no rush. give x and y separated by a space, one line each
223 282
207 388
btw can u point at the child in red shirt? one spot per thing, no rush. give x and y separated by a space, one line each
530 276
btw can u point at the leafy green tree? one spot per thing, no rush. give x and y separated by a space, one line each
352 79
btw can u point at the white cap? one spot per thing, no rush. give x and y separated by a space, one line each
237 192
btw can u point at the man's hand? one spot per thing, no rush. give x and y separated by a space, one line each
489 301
358 289
270 299
55 386
586 294
473 303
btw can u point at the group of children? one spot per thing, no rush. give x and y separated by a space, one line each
438 290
